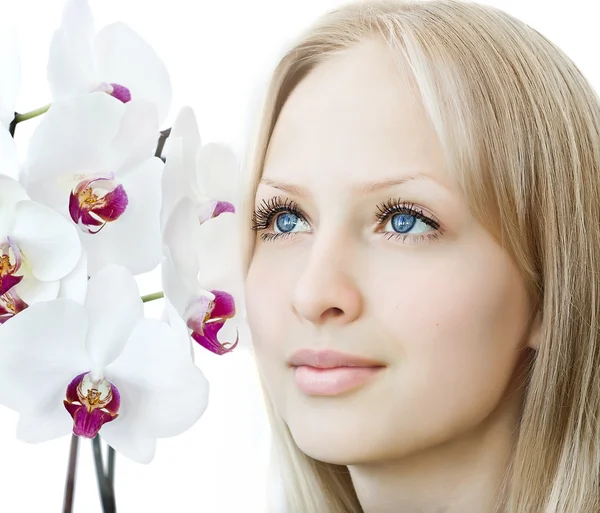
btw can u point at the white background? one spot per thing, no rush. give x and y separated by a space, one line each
218 54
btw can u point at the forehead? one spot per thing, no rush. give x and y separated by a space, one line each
356 117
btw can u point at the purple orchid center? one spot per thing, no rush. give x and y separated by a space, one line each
10 263
206 315
120 92
10 305
91 404
95 202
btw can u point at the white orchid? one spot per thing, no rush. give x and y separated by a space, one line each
40 253
91 159
100 368
201 267
207 174
41 257
116 61
201 276
10 80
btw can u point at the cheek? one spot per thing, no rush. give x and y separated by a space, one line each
454 325
267 297
268 288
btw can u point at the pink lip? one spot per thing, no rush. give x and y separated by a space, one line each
328 359
330 372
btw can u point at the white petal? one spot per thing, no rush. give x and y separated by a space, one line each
49 242
218 172
52 191
35 428
74 286
173 319
140 449
11 193
185 127
173 184
71 64
179 234
124 58
74 137
137 137
9 163
114 306
162 392
42 349
179 175
177 290
10 82
133 240
33 291
218 246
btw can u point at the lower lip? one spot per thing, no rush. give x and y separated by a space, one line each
314 381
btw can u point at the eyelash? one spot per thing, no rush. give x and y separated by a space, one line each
268 209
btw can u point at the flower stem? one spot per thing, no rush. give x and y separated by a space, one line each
164 135
151 297
106 493
31 114
111 468
70 483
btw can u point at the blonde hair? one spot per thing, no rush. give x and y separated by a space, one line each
520 127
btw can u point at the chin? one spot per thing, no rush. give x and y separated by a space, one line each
334 431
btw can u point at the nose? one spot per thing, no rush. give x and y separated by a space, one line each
326 291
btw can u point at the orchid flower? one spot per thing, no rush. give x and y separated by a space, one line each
207 174
10 80
100 368
41 257
200 269
39 249
116 61
91 159
201 276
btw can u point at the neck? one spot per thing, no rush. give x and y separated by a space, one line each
464 475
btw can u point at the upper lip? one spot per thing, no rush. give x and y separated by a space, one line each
328 359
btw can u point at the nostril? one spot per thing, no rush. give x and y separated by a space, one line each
333 312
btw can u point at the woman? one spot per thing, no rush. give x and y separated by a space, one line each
423 265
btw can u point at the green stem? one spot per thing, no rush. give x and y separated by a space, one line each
31 114
153 296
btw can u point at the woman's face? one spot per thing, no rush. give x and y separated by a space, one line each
365 246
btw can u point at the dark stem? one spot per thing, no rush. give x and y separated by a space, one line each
106 494
164 135
70 483
13 125
111 468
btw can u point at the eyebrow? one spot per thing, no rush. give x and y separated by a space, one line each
358 188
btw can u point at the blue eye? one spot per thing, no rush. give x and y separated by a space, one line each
286 222
403 223
277 218
406 221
